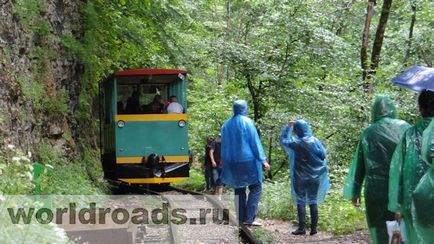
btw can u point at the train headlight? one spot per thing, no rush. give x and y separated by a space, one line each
121 124
182 123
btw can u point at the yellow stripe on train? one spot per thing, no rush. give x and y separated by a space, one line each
151 117
166 159
152 180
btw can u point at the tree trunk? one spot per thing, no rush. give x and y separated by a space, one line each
365 38
410 32
379 36
427 56
255 97
228 20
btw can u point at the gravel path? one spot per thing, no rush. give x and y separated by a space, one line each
282 233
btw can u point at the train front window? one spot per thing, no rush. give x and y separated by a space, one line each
141 98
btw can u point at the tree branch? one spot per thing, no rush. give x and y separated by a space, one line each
365 38
410 31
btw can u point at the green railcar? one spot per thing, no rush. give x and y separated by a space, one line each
142 140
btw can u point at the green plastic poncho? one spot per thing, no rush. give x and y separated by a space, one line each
406 170
423 196
371 164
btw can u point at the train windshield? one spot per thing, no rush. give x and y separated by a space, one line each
139 99
147 94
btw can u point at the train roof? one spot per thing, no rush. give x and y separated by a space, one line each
134 72
134 76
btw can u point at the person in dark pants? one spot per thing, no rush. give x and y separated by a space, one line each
243 159
308 169
209 182
216 163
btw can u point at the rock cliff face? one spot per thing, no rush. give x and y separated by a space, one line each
40 81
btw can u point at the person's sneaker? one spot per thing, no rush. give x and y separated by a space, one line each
299 232
313 232
254 223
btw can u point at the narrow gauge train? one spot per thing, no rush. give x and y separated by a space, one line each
139 144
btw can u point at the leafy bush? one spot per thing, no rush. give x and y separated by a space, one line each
80 177
47 154
15 172
263 235
339 216
336 215
16 178
68 179
276 200
31 233
57 104
195 182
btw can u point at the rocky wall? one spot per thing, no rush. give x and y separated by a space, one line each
40 81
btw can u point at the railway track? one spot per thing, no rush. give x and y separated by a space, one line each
165 215
208 220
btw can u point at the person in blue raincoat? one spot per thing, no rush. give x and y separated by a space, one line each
308 168
243 158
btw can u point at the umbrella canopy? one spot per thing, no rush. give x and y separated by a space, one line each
416 78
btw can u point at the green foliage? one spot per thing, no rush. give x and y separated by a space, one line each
276 200
33 90
207 102
263 235
122 36
336 215
30 233
289 58
80 177
195 182
57 104
91 161
31 15
47 154
68 179
36 92
15 172
28 10
32 18
339 216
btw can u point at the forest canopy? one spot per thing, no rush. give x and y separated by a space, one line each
316 60
323 61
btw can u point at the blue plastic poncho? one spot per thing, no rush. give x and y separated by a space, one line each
241 149
308 167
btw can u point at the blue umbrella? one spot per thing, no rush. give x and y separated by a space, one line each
416 78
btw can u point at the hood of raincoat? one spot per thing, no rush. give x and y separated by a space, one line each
240 107
302 129
383 107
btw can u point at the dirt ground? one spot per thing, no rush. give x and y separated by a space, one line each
282 234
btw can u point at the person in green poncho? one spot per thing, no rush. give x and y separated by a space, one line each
371 164
423 197
407 166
